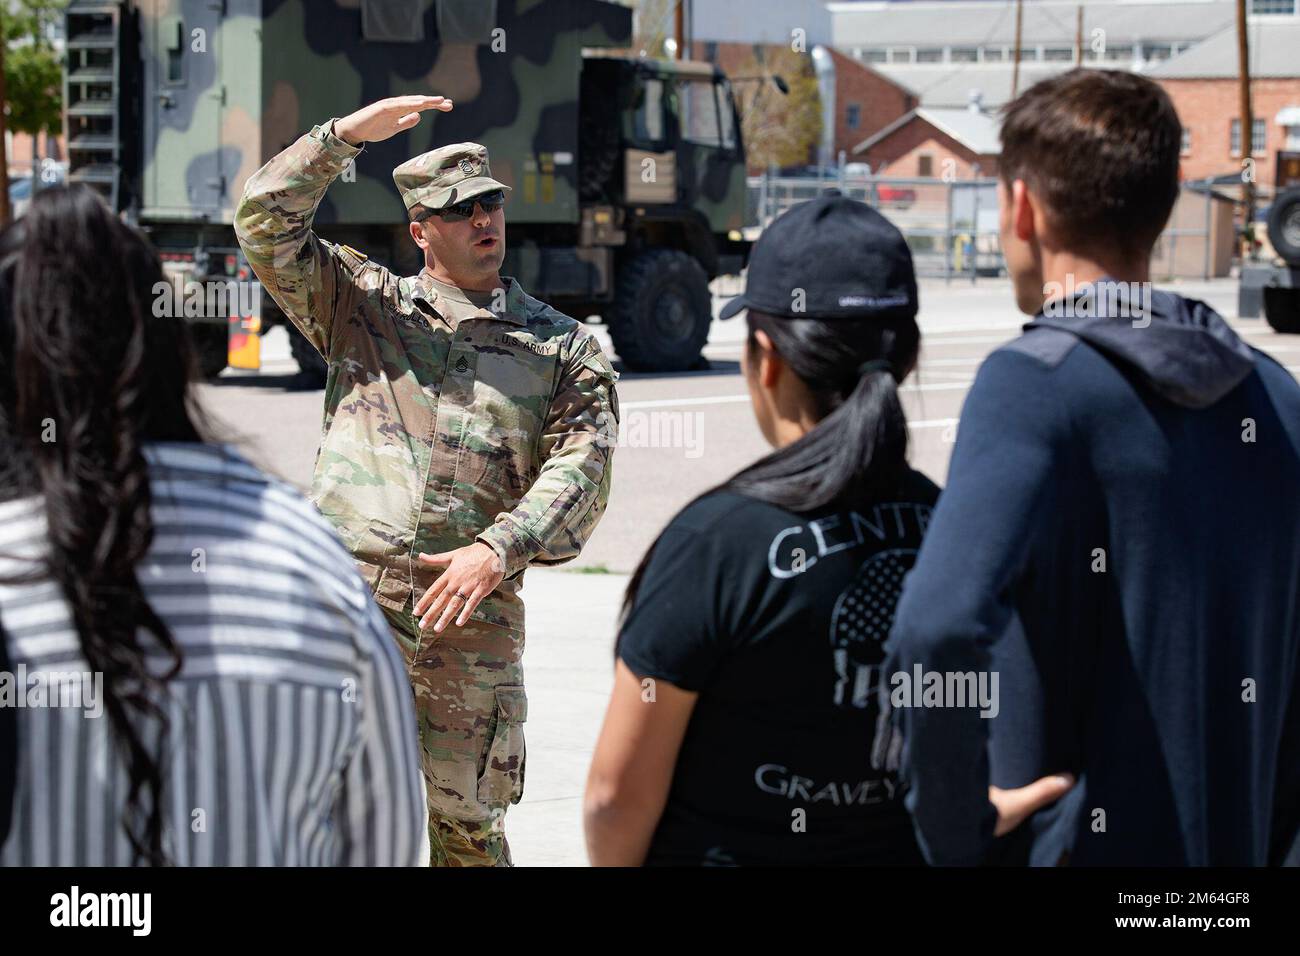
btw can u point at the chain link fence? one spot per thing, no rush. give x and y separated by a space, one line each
952 227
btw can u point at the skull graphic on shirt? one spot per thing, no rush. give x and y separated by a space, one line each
860 623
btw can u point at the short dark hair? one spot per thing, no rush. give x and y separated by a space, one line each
1100 148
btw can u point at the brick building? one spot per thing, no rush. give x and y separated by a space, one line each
934 141
866 102
1203 85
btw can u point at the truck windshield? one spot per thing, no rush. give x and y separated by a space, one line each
699 112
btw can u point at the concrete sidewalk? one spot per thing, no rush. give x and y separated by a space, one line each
568 671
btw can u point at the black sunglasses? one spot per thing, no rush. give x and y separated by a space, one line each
465 208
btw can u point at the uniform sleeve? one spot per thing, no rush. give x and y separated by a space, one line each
957 600
672 631
312 280
383 817
554 519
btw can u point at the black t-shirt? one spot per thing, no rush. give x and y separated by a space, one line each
778 621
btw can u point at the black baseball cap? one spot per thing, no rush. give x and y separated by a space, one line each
831 258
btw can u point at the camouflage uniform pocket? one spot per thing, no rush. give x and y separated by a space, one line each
502 781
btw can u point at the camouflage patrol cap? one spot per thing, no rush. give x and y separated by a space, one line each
445 176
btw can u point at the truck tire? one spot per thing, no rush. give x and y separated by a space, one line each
1284 225
662 312
212 346
1282 309
312 368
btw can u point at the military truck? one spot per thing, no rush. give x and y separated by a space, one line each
1273 285
628 173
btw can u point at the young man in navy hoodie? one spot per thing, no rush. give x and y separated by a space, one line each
1119 539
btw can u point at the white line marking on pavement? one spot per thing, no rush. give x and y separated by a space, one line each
668 402
729 399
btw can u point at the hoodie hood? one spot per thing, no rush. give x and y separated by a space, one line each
1181 348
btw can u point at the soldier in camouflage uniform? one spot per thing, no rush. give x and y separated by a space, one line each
466 437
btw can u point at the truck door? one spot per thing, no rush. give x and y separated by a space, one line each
185 173
710 167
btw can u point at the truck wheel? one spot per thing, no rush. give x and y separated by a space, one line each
661 316
212 345
1282 309
1284 225
312 368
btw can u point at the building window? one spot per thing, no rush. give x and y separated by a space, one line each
901 54
991 54
852 115
1059 53
925 165
1121 51
1028 54
929 54
711 51
1259 7
1186 148
1156 52
964 54
874 56
1258 137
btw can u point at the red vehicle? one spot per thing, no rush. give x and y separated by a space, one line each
895 195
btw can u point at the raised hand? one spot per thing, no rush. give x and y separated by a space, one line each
386 118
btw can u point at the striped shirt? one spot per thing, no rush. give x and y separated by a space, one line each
292 737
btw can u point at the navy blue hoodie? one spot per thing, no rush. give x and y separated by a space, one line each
1120 541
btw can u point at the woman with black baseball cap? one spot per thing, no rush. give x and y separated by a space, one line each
744 707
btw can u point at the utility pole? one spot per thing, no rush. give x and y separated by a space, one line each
1247 123
1078 37
1015 63
679 16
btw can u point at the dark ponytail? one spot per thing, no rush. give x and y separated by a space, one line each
89 374
857 453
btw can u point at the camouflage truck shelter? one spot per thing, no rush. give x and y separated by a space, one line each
627 173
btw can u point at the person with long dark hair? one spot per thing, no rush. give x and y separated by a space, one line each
744 707
204 677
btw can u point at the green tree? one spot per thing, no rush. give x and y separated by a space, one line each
33 71
31 96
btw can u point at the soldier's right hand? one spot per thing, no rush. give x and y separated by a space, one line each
386 118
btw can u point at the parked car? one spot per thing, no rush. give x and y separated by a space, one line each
810 172
899 197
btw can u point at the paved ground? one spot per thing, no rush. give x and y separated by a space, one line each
683 433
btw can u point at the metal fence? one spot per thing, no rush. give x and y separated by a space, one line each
951 227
